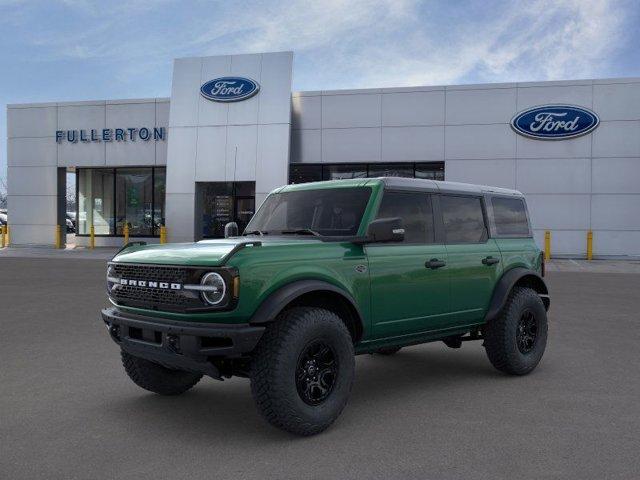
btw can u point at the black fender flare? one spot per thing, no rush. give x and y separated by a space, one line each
276 301
506 283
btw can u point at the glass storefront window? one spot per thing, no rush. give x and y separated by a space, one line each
111 198
218 203
134 197
431 171
313 172
305 173
336 172
159 194
95 201
391 170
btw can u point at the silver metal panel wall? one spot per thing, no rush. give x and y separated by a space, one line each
33 155
589 182
224 142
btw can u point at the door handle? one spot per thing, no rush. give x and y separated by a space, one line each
434 263
490 260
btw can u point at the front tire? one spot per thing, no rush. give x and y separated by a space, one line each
516 340
302 370
156 378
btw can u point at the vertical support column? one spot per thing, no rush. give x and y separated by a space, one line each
547 245
61 220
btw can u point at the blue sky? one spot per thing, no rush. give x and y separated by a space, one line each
83 49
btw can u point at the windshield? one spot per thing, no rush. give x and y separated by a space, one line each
325 212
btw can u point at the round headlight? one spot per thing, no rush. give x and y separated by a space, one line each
112 282
214 288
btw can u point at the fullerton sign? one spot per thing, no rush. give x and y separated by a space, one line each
111 135
555 122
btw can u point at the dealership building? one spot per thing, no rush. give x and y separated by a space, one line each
233 130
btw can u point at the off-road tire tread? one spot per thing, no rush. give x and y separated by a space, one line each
269 391
496 333
156 378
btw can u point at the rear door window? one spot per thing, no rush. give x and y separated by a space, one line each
463 219
415 211
510 217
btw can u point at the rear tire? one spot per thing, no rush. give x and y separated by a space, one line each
302 370
515 341
156 378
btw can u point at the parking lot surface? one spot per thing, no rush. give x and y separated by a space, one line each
67 409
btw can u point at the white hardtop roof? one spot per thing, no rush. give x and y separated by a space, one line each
445 186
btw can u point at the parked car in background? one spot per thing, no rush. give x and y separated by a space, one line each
71 222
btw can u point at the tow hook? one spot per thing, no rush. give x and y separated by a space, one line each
114 331
172 343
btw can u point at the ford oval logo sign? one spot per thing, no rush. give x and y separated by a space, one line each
229 89
555 122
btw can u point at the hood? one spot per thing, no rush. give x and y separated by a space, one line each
204 253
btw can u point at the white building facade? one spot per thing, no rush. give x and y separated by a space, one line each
212 151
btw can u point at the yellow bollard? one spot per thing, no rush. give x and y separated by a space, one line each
3 233
92 237
547 245
8 232
163 234
589 245
58 236
126 233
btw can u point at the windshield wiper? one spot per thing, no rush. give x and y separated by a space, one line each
255 232
301 231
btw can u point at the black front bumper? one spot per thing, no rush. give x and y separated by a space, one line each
186 346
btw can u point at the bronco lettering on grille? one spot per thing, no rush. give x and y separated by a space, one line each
150 284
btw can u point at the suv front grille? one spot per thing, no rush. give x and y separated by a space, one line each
149 297
159 287
150 272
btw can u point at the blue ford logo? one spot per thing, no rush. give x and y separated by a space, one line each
555 122
229 89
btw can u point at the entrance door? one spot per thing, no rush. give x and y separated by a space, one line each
221 202
474 259
409 280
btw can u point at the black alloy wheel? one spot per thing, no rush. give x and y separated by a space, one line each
527 332
316 372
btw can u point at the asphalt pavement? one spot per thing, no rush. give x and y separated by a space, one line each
68 411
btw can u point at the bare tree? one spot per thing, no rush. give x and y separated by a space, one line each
71 195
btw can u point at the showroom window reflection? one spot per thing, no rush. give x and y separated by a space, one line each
114 197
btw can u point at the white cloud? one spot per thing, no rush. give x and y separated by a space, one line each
538 40
354 43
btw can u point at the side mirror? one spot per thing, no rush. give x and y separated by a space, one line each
385 230
231 230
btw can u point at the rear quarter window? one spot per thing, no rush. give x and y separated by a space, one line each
510 217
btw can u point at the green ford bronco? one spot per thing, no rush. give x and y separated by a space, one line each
325 271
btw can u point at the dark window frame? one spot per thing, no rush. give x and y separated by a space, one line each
483 207
155 232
